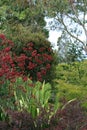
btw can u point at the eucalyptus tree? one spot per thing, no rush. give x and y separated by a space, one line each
69 50
70 17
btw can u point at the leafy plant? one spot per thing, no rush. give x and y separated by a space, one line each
31 97
3 114
74 73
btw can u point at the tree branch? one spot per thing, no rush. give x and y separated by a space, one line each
66 29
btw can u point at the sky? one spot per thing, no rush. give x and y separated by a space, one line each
53 35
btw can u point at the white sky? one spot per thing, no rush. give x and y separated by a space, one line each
53 35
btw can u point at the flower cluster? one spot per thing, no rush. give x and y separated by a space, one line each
7 66
38 62
34 61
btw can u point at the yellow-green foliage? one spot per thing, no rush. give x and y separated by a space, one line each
72 81
75 73
70 91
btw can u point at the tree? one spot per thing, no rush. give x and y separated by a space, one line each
69 16
27 14
69 50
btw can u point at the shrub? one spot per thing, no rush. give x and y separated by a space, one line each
70 117
74 73
71 81
18 121
32 59
40 62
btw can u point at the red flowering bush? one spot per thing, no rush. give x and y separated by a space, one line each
38 63
35 59
32 59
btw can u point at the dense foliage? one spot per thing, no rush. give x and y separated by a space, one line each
31 59
28 14
72 81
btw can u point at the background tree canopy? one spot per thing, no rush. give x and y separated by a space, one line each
18 14
69 17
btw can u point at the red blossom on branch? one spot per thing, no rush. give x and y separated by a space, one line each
7 49
34 53
31 65
30 49
42 49
37 60
43 71
48 66
47 57
2 36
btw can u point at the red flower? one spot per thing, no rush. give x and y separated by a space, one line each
10 42
12 65
31 65
25 49
48 66
38 55
25 78
39 76
30 48
47 57
6 70
30 44
49 49
2 36
34 53
21 58
42 49
21 65
7 49
37 59
43 71
6 58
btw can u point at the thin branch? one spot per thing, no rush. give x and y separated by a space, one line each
66 29
82 25
76 15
